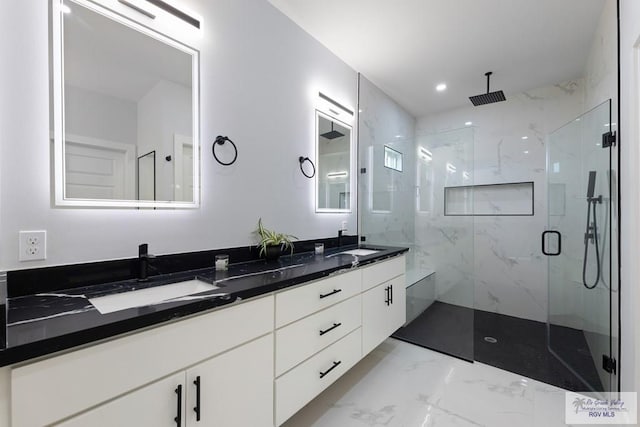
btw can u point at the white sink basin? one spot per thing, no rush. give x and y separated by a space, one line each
149 296
359 252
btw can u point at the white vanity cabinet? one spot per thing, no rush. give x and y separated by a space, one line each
383 301
236 388
325 328
250 364
383 311
109 377
317 339
219 389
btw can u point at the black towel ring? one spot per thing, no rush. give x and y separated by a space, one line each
306 159
220 140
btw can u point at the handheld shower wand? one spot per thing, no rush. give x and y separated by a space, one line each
591 234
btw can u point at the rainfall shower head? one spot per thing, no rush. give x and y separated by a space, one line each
489 97
332 134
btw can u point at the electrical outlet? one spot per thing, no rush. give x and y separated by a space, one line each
32 245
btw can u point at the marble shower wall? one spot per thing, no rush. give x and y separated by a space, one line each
509 273
386 195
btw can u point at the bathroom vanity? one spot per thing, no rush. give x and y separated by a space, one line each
252 351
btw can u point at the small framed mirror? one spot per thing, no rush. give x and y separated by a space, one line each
334 154
125 103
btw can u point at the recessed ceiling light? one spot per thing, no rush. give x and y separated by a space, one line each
525 137
441 87
526 151
65 9
468 123
398 136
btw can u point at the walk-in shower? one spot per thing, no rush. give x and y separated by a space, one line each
471 203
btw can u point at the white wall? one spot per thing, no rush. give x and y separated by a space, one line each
101 116
260 75
629 183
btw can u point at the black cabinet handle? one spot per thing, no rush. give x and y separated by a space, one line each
178 418
390 294
387 298
335 291
335 325
196 409
322 374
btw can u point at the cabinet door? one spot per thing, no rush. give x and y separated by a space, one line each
235 388
383 311
155 405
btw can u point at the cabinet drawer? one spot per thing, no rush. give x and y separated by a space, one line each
382 271
298 386
303 338
67 384
300 302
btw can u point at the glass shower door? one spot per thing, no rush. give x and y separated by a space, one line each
577 242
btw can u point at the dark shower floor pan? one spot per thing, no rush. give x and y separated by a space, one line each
520 345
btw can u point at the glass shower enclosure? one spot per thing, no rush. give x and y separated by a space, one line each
577 243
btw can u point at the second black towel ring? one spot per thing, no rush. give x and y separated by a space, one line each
306 159
220 140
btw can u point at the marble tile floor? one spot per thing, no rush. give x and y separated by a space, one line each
403 385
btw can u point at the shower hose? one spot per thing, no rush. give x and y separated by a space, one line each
594 236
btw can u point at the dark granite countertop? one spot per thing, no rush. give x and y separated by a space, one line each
47 322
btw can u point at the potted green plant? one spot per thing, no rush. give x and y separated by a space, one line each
272 244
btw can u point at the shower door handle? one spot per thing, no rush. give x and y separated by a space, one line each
544 234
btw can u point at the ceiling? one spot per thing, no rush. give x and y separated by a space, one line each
407 47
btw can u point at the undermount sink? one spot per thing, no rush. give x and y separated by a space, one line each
357 252
148 296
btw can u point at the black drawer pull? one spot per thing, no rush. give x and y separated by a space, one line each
178 418
335 325
387 297
196 408
390 294
335 291
322 374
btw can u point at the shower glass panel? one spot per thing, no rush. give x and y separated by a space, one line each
404 206
444 245
579 277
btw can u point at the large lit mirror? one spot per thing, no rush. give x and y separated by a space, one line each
334 177
122 91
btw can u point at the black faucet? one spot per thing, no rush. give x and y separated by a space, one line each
143 262
339 238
